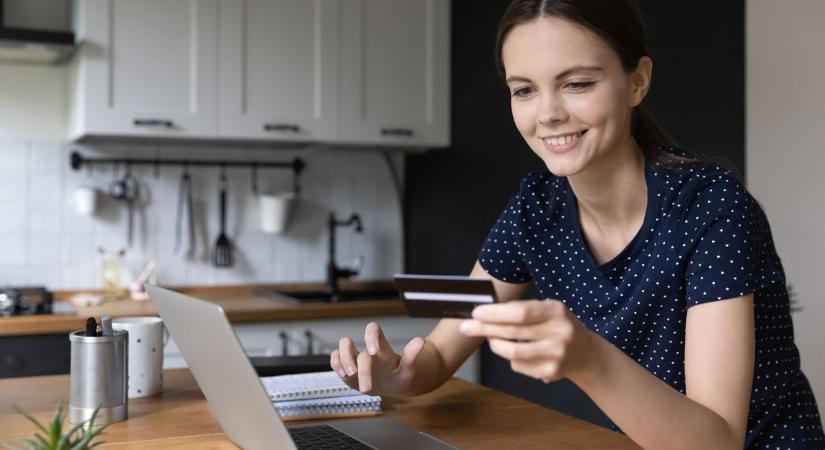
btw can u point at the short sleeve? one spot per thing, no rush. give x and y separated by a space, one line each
734 253
501 255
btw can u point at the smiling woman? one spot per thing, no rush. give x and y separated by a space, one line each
661 293
666 300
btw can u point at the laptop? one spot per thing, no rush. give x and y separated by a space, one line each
240 402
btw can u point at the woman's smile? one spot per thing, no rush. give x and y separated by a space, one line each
562 143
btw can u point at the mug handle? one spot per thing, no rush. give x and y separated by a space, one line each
165 335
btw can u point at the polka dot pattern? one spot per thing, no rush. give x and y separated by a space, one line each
704 238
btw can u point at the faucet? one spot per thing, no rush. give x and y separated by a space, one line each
333 271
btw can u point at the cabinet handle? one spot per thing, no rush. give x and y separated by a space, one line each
310 337
153 123
284 343
282 127
406 132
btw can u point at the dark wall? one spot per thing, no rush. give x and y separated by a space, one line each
454 196
698 91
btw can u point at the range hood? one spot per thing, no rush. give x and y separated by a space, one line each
34 46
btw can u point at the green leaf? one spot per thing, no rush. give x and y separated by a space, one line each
42 440
66 438
56 426
34 444
31 419
83 443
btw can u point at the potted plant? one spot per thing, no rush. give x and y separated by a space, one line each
52 437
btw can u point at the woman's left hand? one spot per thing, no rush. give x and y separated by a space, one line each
542 339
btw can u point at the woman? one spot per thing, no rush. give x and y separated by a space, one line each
664 299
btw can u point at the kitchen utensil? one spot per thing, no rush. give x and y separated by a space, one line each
223 247
185 216
136 290
128 190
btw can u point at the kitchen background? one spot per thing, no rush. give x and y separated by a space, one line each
765 122
45 241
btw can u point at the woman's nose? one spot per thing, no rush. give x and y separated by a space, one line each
551 110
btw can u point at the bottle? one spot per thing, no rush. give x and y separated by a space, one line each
111 265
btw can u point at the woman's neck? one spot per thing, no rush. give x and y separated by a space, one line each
612 192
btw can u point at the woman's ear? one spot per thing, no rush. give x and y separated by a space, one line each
640 80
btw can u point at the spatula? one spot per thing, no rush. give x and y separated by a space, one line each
223 247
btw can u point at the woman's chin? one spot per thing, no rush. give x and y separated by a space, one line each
562 168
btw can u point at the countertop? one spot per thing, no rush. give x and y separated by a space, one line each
241 304
464 414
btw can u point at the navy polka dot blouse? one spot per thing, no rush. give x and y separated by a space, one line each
704 238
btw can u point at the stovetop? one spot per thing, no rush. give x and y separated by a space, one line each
25 301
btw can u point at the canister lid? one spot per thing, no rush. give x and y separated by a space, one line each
80 336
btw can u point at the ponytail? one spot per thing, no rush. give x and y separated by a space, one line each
650 136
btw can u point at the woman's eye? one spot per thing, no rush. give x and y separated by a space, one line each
521 92
580 85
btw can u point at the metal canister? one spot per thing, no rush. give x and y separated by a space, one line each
99 377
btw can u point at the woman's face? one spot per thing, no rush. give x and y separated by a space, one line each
570 97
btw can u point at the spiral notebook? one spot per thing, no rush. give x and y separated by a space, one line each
318 395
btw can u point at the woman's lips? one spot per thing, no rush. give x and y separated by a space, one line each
563 144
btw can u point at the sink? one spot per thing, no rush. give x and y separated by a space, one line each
301 297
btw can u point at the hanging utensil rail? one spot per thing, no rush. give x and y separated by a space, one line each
297 165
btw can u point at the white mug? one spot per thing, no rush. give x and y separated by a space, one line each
147 337
85 200
275 211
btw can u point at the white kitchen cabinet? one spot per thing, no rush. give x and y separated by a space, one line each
395 72
264 338
373 72
145 68
279 65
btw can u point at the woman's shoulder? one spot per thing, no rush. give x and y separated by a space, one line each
697 192
686 179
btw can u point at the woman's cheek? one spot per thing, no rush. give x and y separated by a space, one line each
523 118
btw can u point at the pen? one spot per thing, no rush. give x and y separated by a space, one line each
91 327
106 325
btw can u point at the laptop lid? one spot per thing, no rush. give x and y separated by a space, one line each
220 366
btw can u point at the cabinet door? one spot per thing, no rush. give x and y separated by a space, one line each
148 68
395 72
279 69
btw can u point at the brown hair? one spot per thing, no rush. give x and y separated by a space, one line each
619 23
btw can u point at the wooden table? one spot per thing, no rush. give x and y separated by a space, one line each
464 414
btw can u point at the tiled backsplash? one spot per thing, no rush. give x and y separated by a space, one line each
43 240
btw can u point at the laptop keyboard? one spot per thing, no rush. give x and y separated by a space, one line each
324 437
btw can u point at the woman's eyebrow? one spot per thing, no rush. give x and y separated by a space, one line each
575 69
561 75
517 78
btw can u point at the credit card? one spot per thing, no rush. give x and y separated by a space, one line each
444 295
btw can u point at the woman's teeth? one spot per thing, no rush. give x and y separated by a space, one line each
563 140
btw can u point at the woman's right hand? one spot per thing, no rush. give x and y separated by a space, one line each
378 369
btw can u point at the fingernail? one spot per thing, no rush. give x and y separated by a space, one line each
350 370
465 326
341 373
372 349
